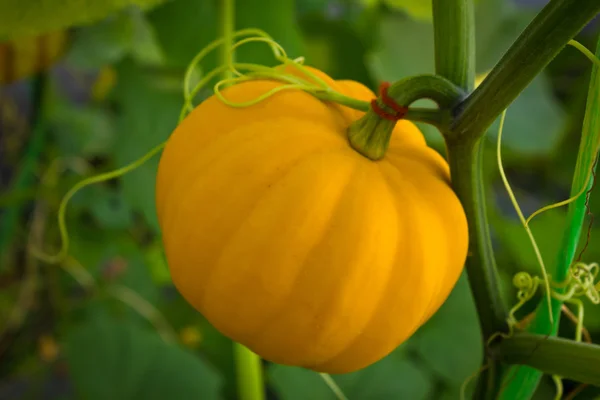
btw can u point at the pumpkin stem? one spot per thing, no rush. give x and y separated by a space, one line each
370 135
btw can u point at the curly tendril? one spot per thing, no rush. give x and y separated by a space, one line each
517 208
243 72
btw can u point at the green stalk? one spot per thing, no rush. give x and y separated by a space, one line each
526 379
370 135
227 12
454 26
466 172
552 355
249 372
248 365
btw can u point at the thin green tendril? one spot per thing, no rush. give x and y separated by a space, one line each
559 387
243 72
62 226
517 208
195 63
586 52
333 386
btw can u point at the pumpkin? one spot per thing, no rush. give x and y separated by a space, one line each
292 243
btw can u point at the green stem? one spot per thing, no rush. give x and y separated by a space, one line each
370 134
454 26
455 60
454 33
249 372
227 13
248 365
552 355
465 168
526 379
541 41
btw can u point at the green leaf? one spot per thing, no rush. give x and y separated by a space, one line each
183 28
157 264
149 115
334 47
534 122
278 19
136 275
394 377
109 41
293 383
109 208
145 48
32 17
81 130
546 229
398 56
450 342
113 359
498 24
104 43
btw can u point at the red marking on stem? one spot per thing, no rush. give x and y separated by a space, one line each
398 111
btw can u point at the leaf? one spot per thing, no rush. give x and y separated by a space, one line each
450 342
81 130
104 43
26 18
145 48
113 359
109 208
546 229
394 377
157 264
183 28
278 20
498 24
534 121
334 47
149 115
112 39
398 56
293 383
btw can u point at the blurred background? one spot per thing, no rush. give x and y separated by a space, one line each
87 90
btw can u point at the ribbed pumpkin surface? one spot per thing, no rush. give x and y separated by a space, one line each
292 243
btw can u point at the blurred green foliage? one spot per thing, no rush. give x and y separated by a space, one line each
117 93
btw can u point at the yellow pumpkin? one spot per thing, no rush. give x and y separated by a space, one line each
292 243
